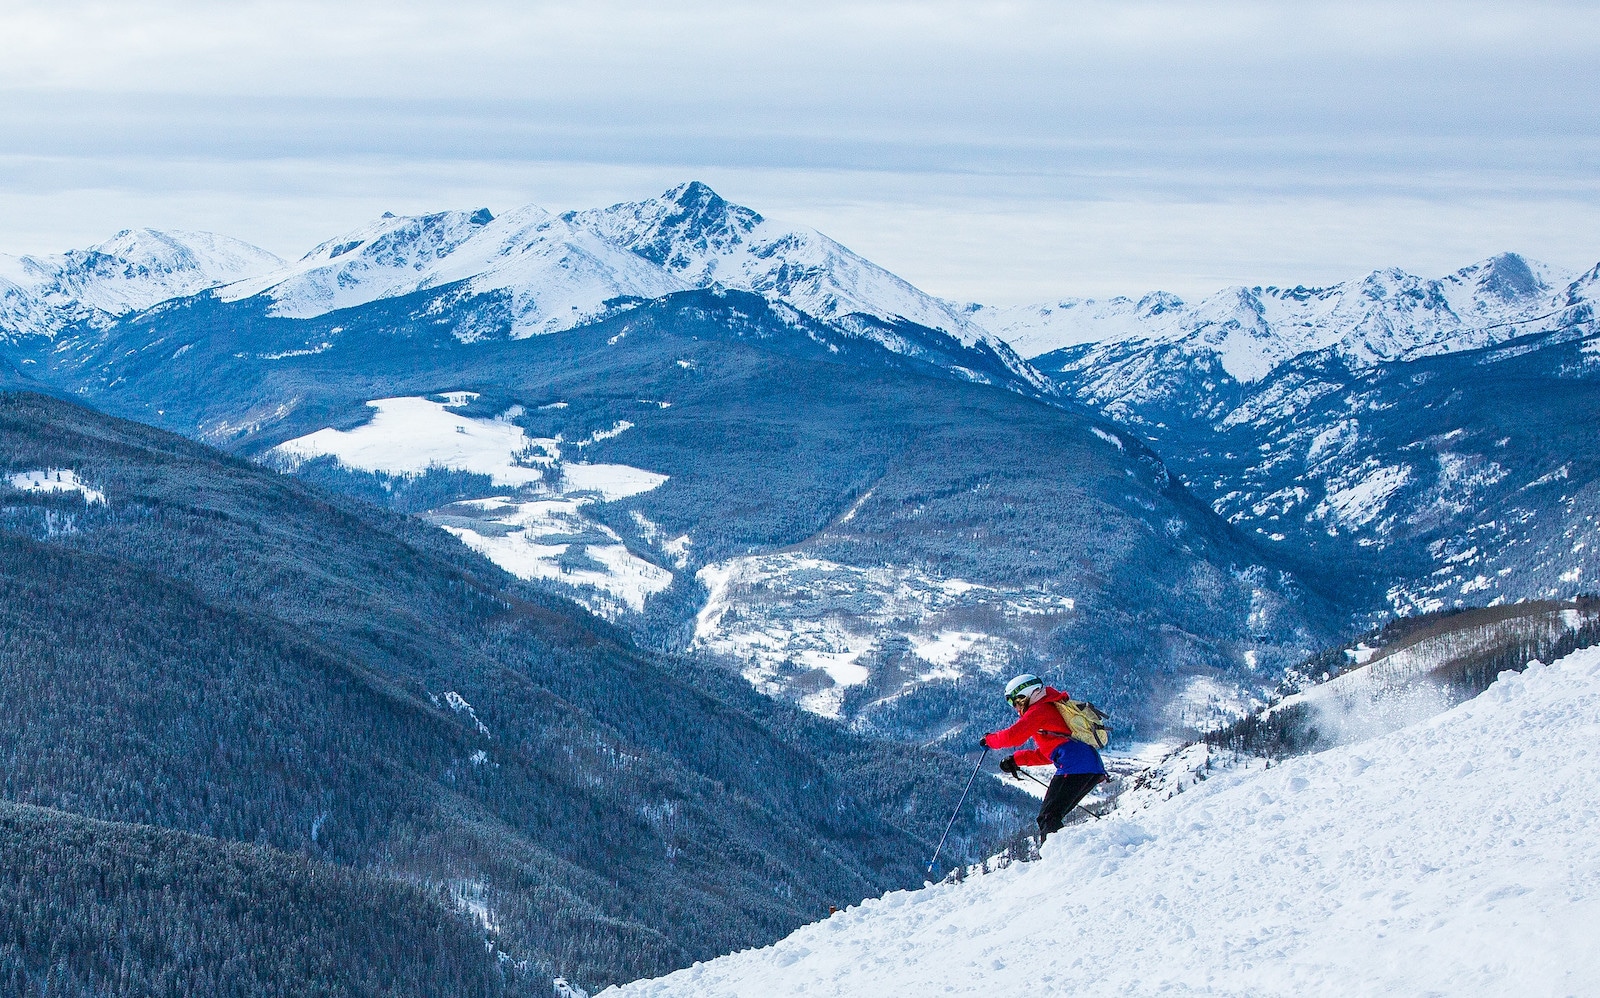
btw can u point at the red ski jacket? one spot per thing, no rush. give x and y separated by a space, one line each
1040 722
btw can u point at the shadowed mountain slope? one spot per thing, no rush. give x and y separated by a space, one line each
223 650
93 908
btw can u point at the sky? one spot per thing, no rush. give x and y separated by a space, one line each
997 152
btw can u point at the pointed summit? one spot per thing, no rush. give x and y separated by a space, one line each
1509 277
681 227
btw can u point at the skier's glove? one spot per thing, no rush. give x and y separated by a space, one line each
983 743
1009 766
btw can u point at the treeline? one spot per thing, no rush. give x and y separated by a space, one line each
1470 648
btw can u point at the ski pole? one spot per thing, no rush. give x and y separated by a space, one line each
957 811
1042 783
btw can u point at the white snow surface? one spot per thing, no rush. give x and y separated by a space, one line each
407 436
1447 858
56 480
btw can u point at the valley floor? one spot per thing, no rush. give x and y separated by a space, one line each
1452 857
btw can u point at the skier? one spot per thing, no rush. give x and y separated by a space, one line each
1078 765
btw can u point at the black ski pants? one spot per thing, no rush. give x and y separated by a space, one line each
1063 794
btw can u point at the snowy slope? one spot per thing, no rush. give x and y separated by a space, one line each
1440 859
1387 315
555 275
129 272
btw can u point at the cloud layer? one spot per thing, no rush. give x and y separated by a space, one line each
1006 151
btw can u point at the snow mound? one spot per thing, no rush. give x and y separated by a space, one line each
1451 857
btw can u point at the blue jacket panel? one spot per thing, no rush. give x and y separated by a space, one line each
1076 757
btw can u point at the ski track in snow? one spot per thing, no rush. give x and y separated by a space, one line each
1453 857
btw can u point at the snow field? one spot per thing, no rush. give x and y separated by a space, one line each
775 613
1455 857
408 436
56 480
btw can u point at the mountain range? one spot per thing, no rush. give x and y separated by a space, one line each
776 387
606 588
860 499
1425 438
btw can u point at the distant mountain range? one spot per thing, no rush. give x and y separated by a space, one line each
1246 333
544 273
830 509
1427 440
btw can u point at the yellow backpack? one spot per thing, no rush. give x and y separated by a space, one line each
1085 722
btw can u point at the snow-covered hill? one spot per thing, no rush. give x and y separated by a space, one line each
1451 857
130 272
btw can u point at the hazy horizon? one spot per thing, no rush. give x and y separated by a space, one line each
1001 153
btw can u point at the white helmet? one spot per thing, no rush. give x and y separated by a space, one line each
1024 690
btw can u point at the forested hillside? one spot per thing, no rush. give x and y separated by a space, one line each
798 461
93 908
195 642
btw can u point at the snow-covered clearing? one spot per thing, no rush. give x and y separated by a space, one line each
778 613
56 480
532 534
1452 857
609 481
407 436
531 539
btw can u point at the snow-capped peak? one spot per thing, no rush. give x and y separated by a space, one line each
140 267
686 230
705 240
129 272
